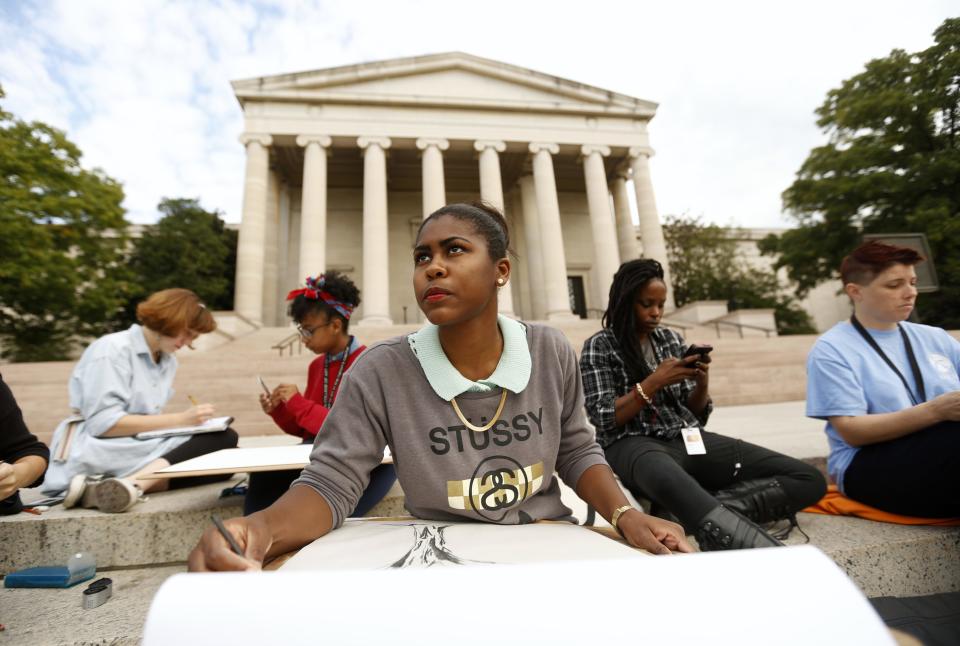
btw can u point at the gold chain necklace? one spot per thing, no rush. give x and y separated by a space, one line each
487 427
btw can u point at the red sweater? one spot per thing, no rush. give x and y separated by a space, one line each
303 415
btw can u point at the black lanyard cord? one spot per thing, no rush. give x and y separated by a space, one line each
914 366
328 396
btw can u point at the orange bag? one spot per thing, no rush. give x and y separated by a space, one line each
836 504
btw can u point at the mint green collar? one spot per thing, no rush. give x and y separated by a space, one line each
512 373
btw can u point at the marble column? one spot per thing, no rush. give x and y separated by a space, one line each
651 233
376 271
313 210
434 191
605 251
554 256
283 245
491 191
271 254
293 246
248 295
626 234
534 260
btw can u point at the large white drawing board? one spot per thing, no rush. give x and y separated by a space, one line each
784 596
246 460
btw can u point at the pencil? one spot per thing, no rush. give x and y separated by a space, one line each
227 536
193 400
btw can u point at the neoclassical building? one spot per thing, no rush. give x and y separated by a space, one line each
343 163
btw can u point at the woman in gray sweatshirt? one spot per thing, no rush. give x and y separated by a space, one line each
478 410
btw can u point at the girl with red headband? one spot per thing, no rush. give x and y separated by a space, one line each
322 311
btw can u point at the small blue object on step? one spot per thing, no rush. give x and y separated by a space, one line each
80 567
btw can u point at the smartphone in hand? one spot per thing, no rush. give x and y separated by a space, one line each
699 349
263 385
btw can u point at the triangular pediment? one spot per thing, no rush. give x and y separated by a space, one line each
451 79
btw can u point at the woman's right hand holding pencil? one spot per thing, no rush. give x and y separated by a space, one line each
198 414
213 553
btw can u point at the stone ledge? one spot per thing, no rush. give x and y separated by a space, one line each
118 622
161 530
909 560
883 559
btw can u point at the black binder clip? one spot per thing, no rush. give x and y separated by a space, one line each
97 593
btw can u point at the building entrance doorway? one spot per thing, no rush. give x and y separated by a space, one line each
578 300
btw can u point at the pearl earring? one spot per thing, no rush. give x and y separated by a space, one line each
500 282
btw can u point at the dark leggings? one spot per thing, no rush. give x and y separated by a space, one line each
267 486
913 475
198 445
661 471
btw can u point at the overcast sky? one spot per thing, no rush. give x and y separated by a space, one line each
143 87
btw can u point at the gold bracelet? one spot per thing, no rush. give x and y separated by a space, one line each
616 516
644 395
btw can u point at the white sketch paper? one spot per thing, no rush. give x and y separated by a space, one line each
396 544
695 599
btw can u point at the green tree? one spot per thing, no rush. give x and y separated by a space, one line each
188 247
705 264
891 165
62 239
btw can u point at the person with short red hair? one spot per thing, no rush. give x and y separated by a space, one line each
118 389
889 391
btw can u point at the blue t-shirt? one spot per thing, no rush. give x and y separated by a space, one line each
845 376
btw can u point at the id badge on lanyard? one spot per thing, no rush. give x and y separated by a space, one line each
693 441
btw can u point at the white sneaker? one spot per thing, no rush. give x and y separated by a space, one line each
75 489
111 495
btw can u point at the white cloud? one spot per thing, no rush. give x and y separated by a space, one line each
143 87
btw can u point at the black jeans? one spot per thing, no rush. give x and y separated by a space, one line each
267 486
682 484
913 475
198 445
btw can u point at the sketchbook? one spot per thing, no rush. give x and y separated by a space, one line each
246 460
212 425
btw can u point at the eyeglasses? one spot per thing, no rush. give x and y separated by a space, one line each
306 332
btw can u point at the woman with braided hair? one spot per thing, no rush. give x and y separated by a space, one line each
643 396
321 309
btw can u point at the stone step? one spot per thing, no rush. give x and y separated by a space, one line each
883 559
780 427
745 371
162 529
28 612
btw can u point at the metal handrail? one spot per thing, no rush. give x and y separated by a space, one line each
740 326
677 326
287 343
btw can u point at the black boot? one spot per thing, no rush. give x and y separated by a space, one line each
762 500
726 529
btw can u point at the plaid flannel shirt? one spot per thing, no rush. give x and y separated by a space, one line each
605 379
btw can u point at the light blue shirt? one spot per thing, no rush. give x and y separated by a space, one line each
116 376
512 372
846 377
